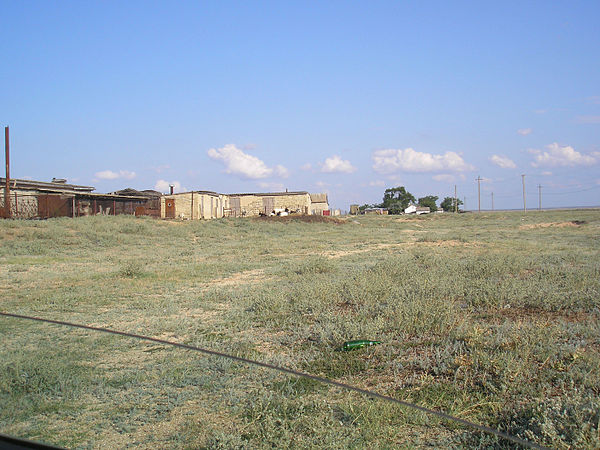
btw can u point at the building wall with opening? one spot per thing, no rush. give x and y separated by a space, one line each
194 205
248 205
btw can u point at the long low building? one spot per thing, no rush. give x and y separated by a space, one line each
211 205
30 199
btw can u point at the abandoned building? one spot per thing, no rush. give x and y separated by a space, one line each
243 205
211 205
319 204
194 205
29 199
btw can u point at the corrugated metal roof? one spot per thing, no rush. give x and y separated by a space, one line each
135 192
16 183
215 194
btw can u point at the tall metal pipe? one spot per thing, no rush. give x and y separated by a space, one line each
7 187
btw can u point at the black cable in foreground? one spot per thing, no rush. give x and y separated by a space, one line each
348 387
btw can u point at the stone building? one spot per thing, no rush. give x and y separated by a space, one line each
194 205
243 205
212 205
318 204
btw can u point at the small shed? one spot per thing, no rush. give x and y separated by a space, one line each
319 203
410 209
194 205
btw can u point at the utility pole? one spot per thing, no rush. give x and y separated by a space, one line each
524 199
540 196
7 187
479 193
455 200
492 201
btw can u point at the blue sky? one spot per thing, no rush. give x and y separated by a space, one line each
342 97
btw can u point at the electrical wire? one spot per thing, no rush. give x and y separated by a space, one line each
319 379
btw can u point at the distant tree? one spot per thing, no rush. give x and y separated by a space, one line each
448 204
397 199
362 208
429 200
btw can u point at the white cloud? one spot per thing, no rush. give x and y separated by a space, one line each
282 171
392 160
337 164
306 166
321 184
110 175
503 161
239 163
164 186
444 177
379 183
273 187
524 131
546 173
558 155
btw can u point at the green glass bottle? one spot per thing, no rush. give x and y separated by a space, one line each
351 345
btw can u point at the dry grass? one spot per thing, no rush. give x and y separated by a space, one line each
533 226
478 317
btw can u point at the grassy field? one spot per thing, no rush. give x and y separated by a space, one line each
490 317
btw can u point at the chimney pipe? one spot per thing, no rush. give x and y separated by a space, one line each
171 187
7 187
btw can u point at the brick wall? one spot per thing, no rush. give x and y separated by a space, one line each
253 205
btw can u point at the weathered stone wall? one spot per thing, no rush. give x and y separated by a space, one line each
195 205
254 205
24 206
318 208
299 203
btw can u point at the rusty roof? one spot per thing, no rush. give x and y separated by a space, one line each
16 183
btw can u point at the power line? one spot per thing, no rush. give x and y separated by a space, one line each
349 387
573 192
479 192
524 196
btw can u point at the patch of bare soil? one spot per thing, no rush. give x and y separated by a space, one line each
448 243
341 253
249 276
572 223
301 218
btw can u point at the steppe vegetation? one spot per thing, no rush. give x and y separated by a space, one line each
491 317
